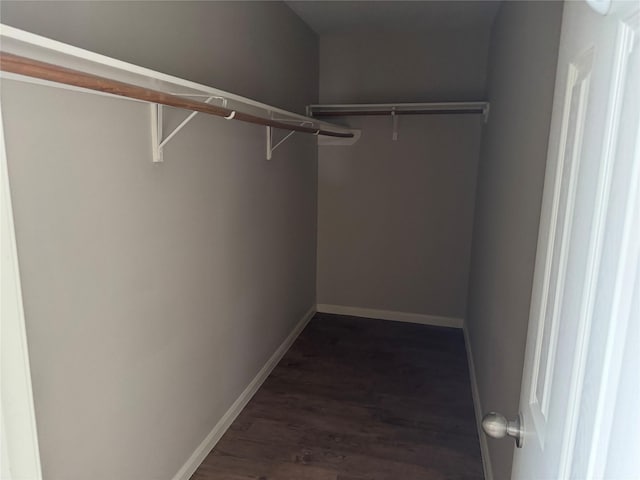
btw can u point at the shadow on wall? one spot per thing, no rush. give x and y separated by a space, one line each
522 65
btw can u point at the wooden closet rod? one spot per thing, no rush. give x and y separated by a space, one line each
47 71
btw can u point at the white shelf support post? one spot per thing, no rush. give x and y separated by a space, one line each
269 141
394 118
156 132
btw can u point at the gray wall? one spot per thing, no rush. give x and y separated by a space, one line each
395 218
246 48
155 293
522 68
390 66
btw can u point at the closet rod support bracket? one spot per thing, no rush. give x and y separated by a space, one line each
157 142
394 118
269 130
269 143
156 132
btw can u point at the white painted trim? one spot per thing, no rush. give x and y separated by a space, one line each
227 419
19 433
477 406
420 318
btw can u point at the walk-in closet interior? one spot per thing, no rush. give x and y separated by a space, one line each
273 240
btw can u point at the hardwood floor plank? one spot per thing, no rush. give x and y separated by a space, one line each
357 399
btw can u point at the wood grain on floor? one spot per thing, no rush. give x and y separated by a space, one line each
357 399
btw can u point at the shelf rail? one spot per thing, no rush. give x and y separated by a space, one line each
46 71
393 109
31 58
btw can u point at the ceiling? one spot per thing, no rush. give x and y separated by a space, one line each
334 16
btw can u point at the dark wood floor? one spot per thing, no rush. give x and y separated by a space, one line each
357 399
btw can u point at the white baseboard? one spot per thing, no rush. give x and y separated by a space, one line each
390 315
484 446
227 419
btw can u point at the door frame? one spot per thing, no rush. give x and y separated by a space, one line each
19 434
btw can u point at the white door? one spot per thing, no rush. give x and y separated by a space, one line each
581 374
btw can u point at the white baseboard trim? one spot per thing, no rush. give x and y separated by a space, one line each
484 446
227 419
390 315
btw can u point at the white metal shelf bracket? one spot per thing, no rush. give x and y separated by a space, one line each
394 118
157 142
270 146
156 132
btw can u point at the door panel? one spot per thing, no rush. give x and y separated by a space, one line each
557 246
588 247
615 290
